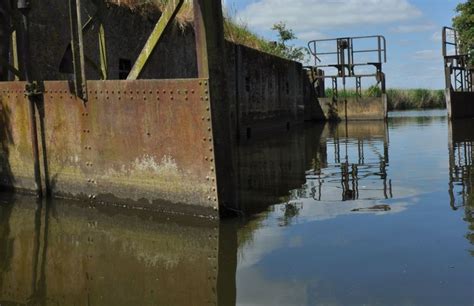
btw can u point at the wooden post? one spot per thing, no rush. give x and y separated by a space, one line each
165 20
103 53
77 45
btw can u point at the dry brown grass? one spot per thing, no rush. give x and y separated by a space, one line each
234 31
147 7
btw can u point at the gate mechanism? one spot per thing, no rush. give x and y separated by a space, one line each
351 57
457 64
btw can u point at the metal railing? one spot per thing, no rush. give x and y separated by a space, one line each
346 61
457 64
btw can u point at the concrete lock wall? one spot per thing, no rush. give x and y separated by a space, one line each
125 35
270 92
265 90
146 144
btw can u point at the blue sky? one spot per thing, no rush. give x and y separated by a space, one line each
412 29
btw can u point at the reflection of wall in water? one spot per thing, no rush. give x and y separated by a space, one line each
272 165
358 158
69 255
461 170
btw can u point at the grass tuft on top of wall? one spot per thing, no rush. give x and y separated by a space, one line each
149 7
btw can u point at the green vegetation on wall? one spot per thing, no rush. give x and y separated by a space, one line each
240 34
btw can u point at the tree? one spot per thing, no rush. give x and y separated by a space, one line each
464 24
282 48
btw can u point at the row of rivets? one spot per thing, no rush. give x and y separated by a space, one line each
205 98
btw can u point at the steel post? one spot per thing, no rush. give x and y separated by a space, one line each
77 45
210 46
24 7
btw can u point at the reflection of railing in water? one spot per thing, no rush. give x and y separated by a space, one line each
461 174
356 160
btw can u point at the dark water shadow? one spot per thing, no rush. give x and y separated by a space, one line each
6 239
6 142
64 253
269 166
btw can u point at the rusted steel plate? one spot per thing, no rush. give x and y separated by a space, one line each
146 143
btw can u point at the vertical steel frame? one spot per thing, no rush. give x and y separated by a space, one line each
458 71
210 50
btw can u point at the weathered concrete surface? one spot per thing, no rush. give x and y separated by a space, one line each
63 254
125 35
460 104
147 144
266 91
355 108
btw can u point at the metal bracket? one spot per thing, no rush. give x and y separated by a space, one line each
34 89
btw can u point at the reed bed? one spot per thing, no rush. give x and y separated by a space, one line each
402 99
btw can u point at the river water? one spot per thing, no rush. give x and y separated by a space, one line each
364 213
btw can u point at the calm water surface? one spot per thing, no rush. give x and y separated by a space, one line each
366 213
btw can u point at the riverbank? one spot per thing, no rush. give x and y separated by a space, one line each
403 99
411 99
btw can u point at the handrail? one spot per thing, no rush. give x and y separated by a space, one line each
380 40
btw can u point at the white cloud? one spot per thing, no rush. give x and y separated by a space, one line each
412 28
427 55
436 37
306 16
312 35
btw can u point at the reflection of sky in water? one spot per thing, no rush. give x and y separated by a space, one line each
321 252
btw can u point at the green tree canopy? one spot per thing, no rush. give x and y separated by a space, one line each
464 24
282 48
